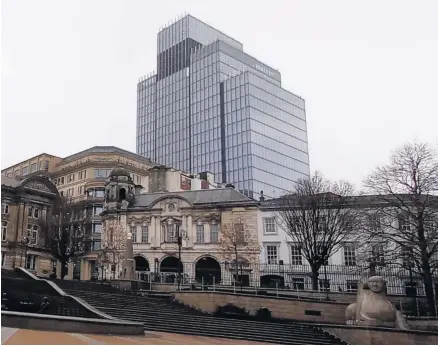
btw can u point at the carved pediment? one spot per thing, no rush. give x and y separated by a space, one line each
207 218
139 220
35 185
173 219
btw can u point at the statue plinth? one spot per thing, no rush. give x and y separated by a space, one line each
128 272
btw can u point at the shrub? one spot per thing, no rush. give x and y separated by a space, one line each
263 314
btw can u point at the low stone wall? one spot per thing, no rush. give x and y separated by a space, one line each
21 320
302 310
163 287
355 335
423 323
130 285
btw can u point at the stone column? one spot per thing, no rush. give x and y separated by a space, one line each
20 225
85 270
151 232
207 233
44 213
158 231
190 230
69 275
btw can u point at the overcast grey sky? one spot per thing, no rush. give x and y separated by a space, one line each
367 69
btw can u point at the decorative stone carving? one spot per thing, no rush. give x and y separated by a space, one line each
37 186
372 307
206 218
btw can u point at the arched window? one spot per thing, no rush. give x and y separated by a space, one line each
122 194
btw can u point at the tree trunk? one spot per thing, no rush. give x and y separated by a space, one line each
372 268
315 276
428 287
64 268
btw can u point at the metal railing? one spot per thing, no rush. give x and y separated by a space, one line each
333 278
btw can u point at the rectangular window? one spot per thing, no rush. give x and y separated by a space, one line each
96 245
3 258
374 222
269 225
5 208
296 257
133 230
298 283
407 254
144 234
97 228
351 285
378 254
171 232
36 213
272 254
200 234
46 165
30 262
4 230
32 234
214 233
99 193
97 210
24 171
350 255
404 223
30 211
33 167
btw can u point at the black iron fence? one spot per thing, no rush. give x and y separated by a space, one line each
287 277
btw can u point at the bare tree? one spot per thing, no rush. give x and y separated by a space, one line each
408 185
238 245
64 232
319 216
113 244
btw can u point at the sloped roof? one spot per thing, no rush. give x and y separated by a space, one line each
223 195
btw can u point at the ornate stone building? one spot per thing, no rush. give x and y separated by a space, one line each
166 226
81 178
26 205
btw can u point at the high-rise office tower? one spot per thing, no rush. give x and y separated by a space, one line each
212 107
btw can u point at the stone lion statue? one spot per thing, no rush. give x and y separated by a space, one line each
372 307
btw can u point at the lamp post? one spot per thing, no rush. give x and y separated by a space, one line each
181 234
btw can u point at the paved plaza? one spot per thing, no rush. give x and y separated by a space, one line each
13 336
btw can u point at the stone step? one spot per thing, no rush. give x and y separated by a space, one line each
164 315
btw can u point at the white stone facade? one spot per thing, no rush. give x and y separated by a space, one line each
280 256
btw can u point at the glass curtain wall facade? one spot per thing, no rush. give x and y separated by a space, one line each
212 107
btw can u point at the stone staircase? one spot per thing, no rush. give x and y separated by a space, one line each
160 314
22 293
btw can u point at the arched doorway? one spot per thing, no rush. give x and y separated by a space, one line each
141 264
208 270
170 267
171 264
271 281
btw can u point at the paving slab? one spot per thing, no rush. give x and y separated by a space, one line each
13 336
